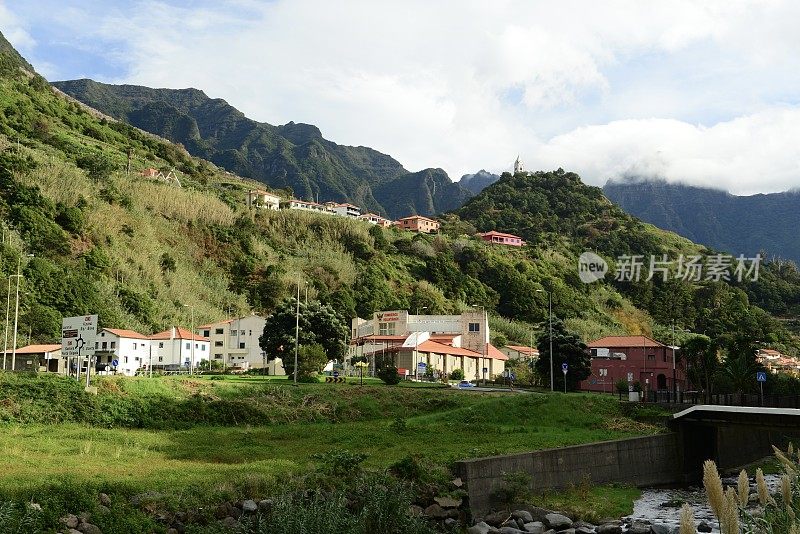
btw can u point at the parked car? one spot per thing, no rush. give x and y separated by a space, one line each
465 384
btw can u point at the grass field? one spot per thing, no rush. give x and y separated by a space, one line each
195 462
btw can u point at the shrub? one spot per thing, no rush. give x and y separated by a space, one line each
97 166
389 375
457 374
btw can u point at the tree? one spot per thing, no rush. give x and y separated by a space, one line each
622 387
319 323
567 347
389 375
310 361
457 374
702 363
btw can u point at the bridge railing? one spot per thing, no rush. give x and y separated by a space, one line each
724 399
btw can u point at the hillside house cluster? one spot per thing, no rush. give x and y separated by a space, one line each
776 362
437 344
261 199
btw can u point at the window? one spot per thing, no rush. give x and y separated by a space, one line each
161 358
161 345
651 357
386 329
113 344
241 345
241 332
206 333
218 344
188 346
136 359
218 331
202 348
105 345
134 346
96 344
126 359
218 356
474 327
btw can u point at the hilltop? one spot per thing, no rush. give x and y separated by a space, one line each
293 156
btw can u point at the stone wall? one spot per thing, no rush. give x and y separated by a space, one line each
645 461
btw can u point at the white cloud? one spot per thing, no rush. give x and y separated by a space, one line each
756 153
602 87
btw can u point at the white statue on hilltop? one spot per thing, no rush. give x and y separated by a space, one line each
518 167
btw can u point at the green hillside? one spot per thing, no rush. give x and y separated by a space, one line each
293 155
137 250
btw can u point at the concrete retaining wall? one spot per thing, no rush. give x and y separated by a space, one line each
645 461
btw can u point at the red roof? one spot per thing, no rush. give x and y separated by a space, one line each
121 332
209 325
412 217
180 333
523 349
499 234
36 349
440 348
495 353
618 342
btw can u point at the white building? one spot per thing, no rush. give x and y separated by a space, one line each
303 205
344 210
374 218
129 348
177 348
518 166
234 343
260 199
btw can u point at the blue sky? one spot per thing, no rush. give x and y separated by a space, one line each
701 92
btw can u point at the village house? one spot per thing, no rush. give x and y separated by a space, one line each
36 358
633 359
234 344
260 199
303 205
176 348
373 218
441 343
520 352
418 223
129 348
344 210
499 238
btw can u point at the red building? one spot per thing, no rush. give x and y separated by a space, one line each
499 238
633 359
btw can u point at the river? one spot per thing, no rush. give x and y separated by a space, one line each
663 505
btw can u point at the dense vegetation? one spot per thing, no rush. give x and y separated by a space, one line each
293 156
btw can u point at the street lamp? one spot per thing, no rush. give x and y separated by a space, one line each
16 314
191 345
297 330
550 311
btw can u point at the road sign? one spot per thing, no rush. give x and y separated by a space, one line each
336 374
513 376
78 335
564 367
114 363
485 370
422 366
761 376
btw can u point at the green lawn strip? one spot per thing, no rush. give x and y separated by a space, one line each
589 503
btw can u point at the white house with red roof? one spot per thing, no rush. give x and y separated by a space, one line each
179 348
129 348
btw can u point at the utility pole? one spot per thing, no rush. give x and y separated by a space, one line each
16 318
5 332
674 373
191 344
297 330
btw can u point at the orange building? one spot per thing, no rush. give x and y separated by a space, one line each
418 223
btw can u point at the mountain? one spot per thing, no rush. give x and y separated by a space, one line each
479 181
293 155
145 253
736 224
